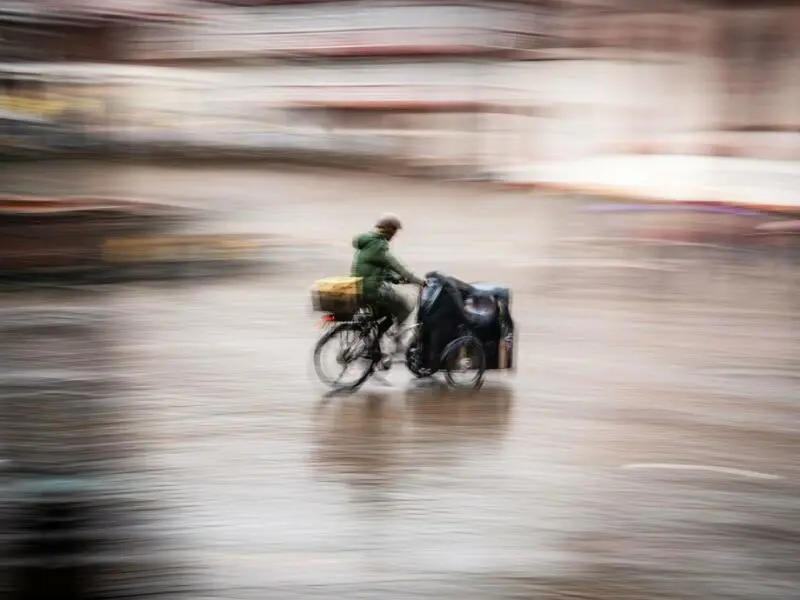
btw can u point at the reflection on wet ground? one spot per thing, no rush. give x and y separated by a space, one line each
383 434
569 479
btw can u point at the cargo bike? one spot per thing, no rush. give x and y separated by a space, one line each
461 331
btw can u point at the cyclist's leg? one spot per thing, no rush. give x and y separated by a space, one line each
392 305
381 314
395 305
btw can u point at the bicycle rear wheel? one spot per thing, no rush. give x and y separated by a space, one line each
349 344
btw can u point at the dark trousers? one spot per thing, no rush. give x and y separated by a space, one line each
389 303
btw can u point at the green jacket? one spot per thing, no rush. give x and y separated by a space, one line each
375 263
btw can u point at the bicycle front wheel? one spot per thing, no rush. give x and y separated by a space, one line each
464 357
343 358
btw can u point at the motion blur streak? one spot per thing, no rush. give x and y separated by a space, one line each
178 174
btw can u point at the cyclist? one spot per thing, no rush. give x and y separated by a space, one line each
379 269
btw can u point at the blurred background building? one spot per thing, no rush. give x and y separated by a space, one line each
409 81
517 81
58 91
472 86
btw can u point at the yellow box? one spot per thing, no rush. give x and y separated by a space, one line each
338 295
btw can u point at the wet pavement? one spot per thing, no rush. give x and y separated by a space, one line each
646 448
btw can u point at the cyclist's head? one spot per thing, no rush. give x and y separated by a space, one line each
388 225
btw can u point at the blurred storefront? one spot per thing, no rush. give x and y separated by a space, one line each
407 81
678 77
573 78
50 100
480 86
345 29
44 112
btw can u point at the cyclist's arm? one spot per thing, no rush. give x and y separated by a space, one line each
399 269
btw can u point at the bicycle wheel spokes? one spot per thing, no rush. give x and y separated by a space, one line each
349 348
464 362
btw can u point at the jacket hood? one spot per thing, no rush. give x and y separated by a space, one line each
363 240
